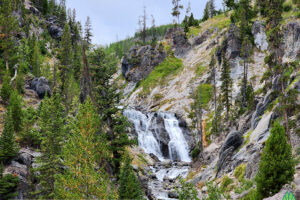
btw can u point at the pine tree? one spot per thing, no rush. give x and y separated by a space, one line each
8 146
82 154
66 57
245 53
8 185
107 98
88 32
276 167
212 8
176 9
226 86
6 88
129 184
36 59
262 4
8 30
230 4
86 81
51 124
206 12
15 107
45 7
191 21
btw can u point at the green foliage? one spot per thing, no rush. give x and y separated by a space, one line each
83 153
8 185
195 152
287 6
20 83
36 60
276 167
245 185
214 192
187 191
15 107
239 172
226 181
51 124
226 86
205 93
200 70
129 184
8 146
169 67
252 195
29 135
6 88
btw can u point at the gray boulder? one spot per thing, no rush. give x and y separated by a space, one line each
41 87
54 28
173 194
291 41
178 41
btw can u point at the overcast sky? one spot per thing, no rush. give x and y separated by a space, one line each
112 19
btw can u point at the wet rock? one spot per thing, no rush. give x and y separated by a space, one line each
233 141
41 87
181 164
233 43
260 37
173 194
166 163
140 62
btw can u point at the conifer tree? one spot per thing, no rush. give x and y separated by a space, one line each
212 8
8 146
206 12
82 155
51 125
6 88
88 32
226 86
129 184
65 56
276 167
107 99
230 4
8 185
36 60
176 9
15 107
8 30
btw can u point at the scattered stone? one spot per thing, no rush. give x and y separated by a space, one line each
173 194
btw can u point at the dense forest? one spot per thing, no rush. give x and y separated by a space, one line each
196 109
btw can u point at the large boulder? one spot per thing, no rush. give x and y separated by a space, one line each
54 28
141 61
41 87
260 37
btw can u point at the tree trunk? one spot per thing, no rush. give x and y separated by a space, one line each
85 83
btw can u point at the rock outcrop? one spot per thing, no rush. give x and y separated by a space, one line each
54 28
259 34
178 41
41 87
140 62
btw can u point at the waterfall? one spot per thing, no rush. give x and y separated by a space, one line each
178 147
149 138
146 138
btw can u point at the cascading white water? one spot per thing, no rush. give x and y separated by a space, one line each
178 147
146 138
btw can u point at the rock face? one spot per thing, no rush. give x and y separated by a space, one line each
55 30
41 87
141 61
233 44
291 41
21 167
260 37
233 141
179 43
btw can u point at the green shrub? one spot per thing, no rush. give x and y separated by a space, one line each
195 152
245 185
205 93
8 185
277 166
20 82
252 195
226 181
239 172
187 191
15 106
6 88
171 66
287 6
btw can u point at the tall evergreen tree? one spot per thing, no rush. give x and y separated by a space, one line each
8 185
88 32
8 30
36 59
51 124
15 107
212 8
8 146
206 12
66 59
82 155
6 88
129 184
276 167
226 86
